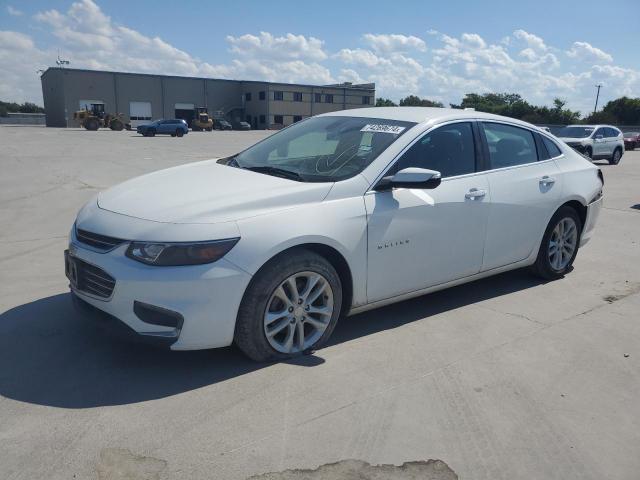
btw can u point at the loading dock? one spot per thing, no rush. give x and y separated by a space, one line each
185 111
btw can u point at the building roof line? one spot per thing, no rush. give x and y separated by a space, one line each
365 86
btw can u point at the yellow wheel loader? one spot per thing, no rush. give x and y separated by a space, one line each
202 120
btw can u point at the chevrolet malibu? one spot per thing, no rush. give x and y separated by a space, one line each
334 215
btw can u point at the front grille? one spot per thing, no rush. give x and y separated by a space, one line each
90 279
95 240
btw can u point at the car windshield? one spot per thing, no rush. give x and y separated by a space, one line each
575 132
630 134
322 149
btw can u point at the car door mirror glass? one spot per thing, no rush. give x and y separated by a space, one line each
412 177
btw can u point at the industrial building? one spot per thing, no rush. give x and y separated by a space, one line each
145 97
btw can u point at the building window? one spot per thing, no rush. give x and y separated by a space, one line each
318 98
248 119
247 96
278 119
278 95
297 118
366 100
262 95
262 119
328 98
297 96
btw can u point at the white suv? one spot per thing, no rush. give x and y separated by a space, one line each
595 141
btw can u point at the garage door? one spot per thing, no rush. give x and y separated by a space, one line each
185 111
139 113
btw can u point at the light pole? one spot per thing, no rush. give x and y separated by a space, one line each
598 86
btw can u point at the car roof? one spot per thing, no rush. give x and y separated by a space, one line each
422 114
593 126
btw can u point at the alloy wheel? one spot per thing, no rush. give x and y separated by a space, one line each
563 243
298 312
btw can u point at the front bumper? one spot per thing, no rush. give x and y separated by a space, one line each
206 297
593 212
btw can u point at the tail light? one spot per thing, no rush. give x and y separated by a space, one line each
601 176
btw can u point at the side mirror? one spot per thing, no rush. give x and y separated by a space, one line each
417 178
598 137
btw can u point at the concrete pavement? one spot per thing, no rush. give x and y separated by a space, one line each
503 378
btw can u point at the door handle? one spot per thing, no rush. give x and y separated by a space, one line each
474 193
547 180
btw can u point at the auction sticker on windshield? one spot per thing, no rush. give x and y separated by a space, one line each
382 128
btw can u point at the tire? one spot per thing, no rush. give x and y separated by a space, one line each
116 125
545 267
261 296
616 157
92 124
179 133
588 153
151 132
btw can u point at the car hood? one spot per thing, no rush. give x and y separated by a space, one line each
207 192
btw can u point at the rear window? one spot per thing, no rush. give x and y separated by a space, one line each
509 145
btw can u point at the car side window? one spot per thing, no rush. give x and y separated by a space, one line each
612 132
551 147
449 150
600 132
508 145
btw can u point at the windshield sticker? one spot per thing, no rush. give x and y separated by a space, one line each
382 128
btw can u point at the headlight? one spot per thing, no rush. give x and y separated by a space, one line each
176 254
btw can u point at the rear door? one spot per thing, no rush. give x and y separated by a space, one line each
525 190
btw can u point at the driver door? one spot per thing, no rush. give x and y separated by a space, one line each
419 238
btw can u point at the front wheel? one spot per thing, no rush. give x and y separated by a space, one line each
179 133
291 306
559 245
151 132
615 158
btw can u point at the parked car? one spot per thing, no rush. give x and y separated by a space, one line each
174 127
341 213
241 126
631 140
222 125
595 141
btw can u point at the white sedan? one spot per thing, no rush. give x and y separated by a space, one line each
334 215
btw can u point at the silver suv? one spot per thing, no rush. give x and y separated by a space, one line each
595 141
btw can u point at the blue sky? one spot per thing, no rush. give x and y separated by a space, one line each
439 50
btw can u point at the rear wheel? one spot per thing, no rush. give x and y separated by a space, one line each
588 153
559 245
615 158
179 132
116 125
291 306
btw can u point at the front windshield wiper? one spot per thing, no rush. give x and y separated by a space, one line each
276 172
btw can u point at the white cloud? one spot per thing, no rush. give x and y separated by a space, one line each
290 47
14 12
399 64
585 51
388 43
532 41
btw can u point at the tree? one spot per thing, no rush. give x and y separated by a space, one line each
385 102
415 101
12 107
623 111
514 106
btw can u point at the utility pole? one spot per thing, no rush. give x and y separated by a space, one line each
598 86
